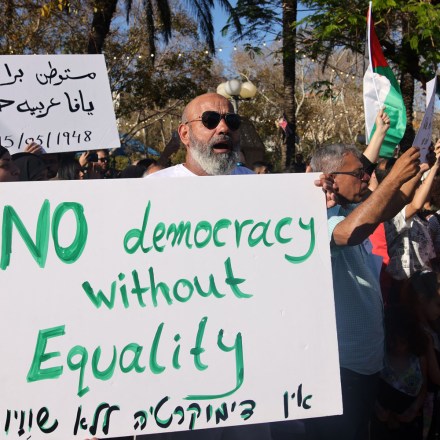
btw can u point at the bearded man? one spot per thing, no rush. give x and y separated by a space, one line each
210 132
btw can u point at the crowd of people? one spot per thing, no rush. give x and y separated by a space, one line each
384 234
386 287
33 165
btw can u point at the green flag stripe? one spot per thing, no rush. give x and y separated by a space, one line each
396 111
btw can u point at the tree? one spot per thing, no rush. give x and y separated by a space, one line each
158 21
267 17
328 103
409 31
289 53
32 27
148 98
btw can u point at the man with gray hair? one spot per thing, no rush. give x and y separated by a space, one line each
358 300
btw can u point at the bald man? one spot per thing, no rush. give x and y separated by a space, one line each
210 132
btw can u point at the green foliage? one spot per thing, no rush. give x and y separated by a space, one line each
414 42
120 162
402 26
323 89
24 28
259 17
335 24
148 98
143 86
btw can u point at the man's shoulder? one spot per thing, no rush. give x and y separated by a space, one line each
181 171
341 211
175 171
335 215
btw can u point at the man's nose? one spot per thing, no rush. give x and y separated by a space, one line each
222 127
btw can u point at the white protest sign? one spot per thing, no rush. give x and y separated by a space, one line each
423 137
62 102
140 306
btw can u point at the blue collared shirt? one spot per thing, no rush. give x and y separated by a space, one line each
358 301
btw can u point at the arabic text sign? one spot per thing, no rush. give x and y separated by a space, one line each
62 102
165 310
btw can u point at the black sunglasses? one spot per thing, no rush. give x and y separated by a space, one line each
211 119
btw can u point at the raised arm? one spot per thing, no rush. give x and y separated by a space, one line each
171 147
384 203
382 126
424 190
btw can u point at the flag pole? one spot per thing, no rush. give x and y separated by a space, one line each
369 52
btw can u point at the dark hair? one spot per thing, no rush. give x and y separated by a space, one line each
435 193
425 284
68 169
401 325
259 163
30 165
421 287
383 168
3 151
132 171
146 163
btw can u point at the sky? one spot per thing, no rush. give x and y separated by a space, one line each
223 45
226 46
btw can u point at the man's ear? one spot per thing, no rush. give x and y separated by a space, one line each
183 131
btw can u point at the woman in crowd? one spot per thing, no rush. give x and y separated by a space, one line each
69 169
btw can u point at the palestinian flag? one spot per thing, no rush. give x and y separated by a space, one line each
382 89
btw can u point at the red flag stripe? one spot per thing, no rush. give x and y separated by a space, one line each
377 58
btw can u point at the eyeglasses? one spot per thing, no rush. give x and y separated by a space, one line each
102 159
211 119
359 173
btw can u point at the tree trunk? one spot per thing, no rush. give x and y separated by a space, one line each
102 18
289 53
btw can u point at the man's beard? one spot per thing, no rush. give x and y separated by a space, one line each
214 164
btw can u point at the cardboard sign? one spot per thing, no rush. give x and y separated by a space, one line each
62 102
143 306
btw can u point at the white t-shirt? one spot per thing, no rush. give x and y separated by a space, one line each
181 171
175 171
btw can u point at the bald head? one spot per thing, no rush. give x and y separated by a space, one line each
210 149
211 100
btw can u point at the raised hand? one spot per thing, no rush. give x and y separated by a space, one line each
406 167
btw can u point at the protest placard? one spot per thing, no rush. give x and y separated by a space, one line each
62 102
423 138
151 305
